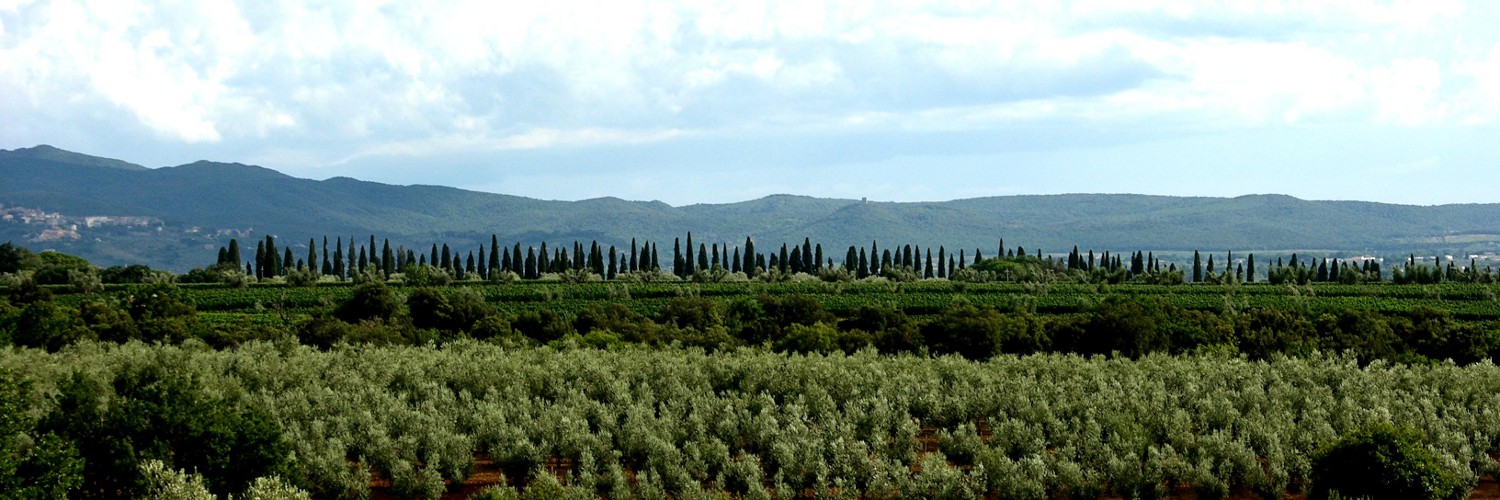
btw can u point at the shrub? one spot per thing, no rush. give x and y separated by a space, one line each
372 299
1383 461
426 275
817 337
965 330
542 325
301 277
891 329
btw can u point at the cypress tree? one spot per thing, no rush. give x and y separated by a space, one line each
543 260
434 258
782 264
260 259
655 264
734 265
688 258
950 265
851 260
928 271
470 266
531 270
632 264
1211 263
864 265
379 264
760 262
234 252
796 260
596 253
942 271
494 254
312 254
874 258
703 257
614 268
224 256
1197 267
677 266
578 254
411 258
481 265
818 258
517 265
807 255
961 264
387 259
505 262
714 262
645 264
749 256
447 258
1250 269
273 258
906 256
363 261
327 265
775 264
885 258
338 259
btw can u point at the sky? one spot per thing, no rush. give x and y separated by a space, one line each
712 102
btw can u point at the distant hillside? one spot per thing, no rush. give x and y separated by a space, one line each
174 217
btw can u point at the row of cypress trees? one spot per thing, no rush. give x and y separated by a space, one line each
344 260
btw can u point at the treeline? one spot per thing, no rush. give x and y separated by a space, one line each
721 261
1118 325
1127 325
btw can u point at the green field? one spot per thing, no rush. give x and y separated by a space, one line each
865 389
1464 300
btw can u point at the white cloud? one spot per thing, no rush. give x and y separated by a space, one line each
362 76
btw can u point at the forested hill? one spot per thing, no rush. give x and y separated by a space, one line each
173 217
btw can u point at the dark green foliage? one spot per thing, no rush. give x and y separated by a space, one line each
163 313
974 333
449 309
542 325
153 410
48 325
136 273
695 313
14 258
1383 461
48 466
52 268
613 317
892 330
371 300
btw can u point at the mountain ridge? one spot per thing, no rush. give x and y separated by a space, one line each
200 205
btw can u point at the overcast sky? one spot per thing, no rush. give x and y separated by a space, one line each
697 101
